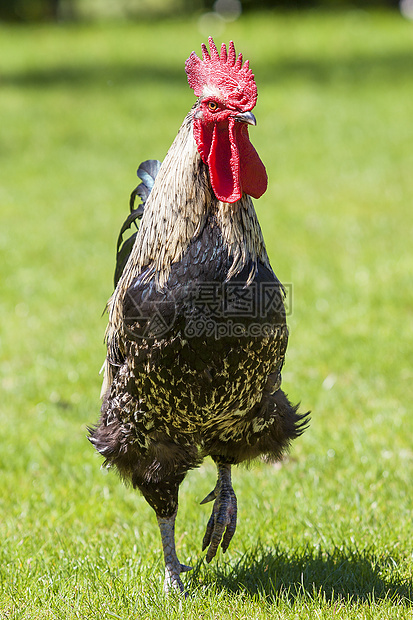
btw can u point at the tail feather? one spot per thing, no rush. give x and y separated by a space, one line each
147 172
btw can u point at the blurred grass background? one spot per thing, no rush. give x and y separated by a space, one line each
326 534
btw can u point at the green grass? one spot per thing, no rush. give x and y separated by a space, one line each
328 534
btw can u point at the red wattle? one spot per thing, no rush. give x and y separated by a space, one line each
234 165
253 174
223 163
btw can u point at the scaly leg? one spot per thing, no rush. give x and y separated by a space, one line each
162 495
173 567
223 520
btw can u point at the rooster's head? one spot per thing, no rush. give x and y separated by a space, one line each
227 93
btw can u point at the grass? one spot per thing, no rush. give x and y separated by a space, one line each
328 533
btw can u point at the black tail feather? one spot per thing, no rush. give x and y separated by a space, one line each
147 172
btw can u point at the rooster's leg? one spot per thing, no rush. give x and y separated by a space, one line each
173 567
223 521
162 495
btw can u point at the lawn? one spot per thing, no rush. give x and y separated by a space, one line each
327 533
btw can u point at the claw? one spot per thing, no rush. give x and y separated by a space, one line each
185 568
210 497
223 520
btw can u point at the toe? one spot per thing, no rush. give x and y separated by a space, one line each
208 532
229 532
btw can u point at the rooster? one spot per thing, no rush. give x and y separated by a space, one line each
197 333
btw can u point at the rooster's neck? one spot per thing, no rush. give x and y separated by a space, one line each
176 211
241 233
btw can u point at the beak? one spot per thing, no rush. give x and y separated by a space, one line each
246 117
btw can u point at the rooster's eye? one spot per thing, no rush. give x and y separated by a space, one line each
213 106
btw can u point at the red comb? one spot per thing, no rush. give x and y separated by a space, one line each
226 72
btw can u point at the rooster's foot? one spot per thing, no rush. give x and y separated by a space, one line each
223 520
172 580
